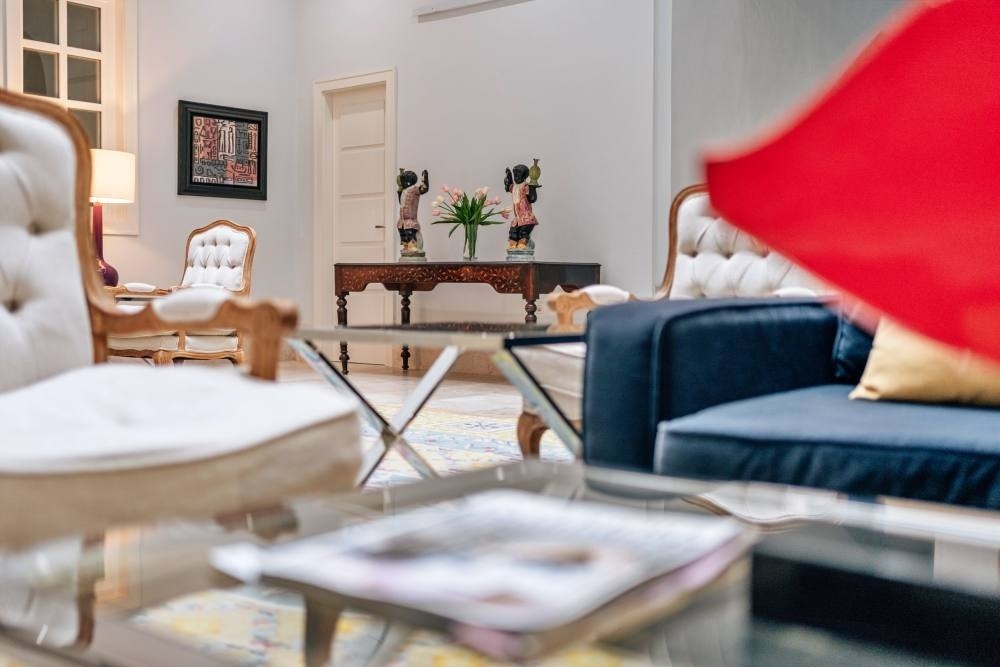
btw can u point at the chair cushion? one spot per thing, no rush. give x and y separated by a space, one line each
850 350
210 343
169 440
204 343
167 342
818 437
559 370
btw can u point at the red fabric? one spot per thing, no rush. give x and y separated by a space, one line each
888 185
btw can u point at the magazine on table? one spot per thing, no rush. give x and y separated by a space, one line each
507 561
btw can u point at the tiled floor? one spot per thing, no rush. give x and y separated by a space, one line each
464 394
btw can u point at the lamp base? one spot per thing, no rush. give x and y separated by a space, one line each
109 274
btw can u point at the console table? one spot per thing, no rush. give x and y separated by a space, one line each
529 279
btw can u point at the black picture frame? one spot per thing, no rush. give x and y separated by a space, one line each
187 184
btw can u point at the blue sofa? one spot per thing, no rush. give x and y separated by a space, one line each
757 390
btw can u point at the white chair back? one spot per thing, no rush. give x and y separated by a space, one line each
714 259
220 254
44 322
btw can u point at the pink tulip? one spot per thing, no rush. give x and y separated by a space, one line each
444 188
435 212
505 214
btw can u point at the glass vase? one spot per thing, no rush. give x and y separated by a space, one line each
469 249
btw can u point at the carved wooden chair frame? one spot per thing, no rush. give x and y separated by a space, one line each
567 304
530 427
264 322
163 357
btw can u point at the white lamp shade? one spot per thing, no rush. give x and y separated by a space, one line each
112 178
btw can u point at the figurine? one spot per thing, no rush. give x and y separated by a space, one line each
524 194
409 189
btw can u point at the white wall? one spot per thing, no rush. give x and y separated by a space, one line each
567 81
616 97
738 64
662 140
231 52
3 43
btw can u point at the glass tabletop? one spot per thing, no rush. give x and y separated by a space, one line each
831 581
483 336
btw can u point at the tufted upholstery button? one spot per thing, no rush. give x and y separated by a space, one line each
34 228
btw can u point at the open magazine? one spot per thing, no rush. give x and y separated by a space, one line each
506 561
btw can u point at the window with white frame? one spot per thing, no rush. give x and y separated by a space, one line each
67 51
80 54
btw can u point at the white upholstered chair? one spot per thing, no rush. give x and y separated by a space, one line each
84 444
217 255
707 258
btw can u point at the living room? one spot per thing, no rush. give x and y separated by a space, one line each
612 269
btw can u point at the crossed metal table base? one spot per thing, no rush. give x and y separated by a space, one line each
391 431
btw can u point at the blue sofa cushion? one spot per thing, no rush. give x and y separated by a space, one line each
818 437
850 351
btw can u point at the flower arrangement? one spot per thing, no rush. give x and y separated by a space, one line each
458 209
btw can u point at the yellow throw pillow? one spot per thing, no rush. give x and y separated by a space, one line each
906 366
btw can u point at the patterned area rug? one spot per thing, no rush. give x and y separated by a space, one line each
454 442
256 626
262 626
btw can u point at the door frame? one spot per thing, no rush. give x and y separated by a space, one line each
324 214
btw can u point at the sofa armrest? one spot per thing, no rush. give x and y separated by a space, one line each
651 361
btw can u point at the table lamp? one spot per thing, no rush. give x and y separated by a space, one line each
112 181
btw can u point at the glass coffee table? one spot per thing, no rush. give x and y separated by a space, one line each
499 341
831 582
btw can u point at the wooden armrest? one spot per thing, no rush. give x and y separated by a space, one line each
265 322
121 291
567 304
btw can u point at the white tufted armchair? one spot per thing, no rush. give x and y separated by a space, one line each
707 258
85 445
218 255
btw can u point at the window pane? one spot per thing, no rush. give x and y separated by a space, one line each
41 20
83 26
83 79
91 121
41 74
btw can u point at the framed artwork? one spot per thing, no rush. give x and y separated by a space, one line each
221 151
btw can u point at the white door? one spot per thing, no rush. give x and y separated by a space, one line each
359 190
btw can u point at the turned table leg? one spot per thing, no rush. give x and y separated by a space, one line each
404 318
342 321
530 309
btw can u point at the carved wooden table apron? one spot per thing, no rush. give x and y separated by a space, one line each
529 279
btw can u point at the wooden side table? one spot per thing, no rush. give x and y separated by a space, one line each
529 279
